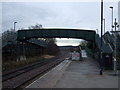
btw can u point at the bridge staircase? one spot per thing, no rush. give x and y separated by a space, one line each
110 39
106 51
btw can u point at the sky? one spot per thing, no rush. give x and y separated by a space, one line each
68 14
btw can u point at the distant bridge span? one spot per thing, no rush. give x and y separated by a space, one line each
88 35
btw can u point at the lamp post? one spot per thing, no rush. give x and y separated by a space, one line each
14 25
112 17
97 31
115 58
17 49
104 25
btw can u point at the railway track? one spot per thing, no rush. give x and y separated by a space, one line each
15 79
24 69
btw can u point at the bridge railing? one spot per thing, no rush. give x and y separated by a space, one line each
105 47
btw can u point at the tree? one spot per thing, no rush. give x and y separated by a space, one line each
83 44
8 35
53 49
37 26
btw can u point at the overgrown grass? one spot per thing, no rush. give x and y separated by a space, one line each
10 65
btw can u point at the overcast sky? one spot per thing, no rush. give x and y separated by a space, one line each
57 14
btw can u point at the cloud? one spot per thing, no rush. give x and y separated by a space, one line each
25 14
48 14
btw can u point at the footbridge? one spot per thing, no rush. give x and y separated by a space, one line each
88 35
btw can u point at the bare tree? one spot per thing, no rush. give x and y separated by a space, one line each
83 44
37 26
8 36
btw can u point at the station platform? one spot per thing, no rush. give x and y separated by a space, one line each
76 74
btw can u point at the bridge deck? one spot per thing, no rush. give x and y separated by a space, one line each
88 35
76 74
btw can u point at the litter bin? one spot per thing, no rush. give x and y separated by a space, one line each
108 61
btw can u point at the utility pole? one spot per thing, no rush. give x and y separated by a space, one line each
101 59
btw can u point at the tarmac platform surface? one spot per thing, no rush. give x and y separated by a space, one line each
76 74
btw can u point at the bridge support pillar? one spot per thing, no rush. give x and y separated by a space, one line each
20 51
23 51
